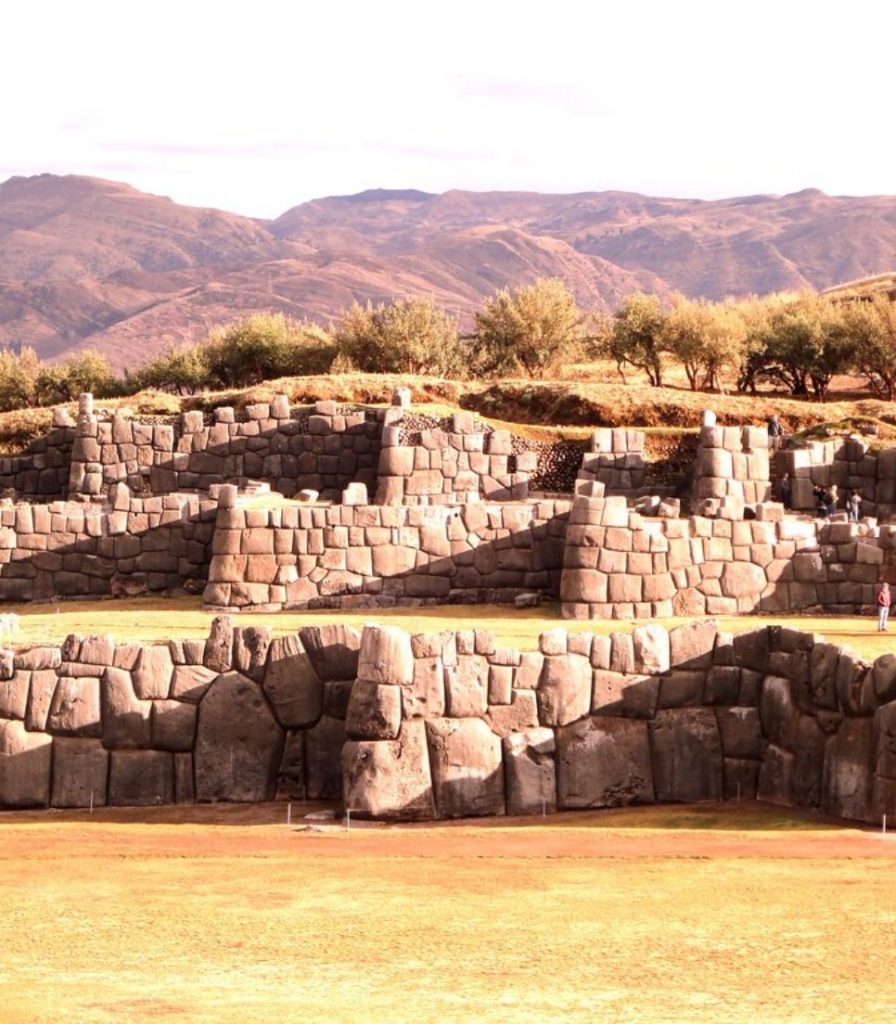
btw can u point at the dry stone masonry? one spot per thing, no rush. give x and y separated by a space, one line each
450 724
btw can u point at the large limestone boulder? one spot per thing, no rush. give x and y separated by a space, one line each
389 778
603 762
466 687
238 743
741 732
564 690
691 645
651 649
75 708
292 685
333 650
173 725
467 775
190 682
778 711
687 755
775 784
386 656
152 673
848 770
374 711
25 759
141 778
126 718
80 772
529 771
250 650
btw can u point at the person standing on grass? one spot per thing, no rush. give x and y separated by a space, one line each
883 607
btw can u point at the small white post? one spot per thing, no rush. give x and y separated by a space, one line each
738 792
288 815
91 801
348 818
883 829
544 808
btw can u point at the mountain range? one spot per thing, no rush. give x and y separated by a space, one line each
89 263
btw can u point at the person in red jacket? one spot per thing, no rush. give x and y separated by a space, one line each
883 607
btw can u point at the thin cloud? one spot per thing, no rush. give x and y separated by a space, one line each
563 96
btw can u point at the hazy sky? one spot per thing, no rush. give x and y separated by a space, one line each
257 106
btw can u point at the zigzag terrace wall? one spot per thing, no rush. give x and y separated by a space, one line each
449 724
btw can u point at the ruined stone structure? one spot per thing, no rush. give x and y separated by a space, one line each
450 724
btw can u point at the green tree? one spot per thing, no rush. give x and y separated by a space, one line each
532 328
183 370
637 337
707 338
265 346
63 382
18 373
807 344
871 327
411 335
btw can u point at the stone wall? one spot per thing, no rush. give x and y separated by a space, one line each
239 717
41 472
450 725
382 555
126 546
438 466
620 564
324 449
732 468
846 462
616 460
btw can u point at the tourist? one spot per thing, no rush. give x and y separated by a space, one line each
854 506
775 432
883 607
786 489
833 497
822 501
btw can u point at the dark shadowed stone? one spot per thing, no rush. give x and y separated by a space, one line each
323 759
741 778
374 711
333 650
681 688
389 778
885 740
184 788
775 784
75 708
24 766
173 725
778 712
152 673
723 684
855 685
80 772
809 748
848 771
141 778
337 693
250 650
291 776
741 732
751 649
603 762
238 743
823 661
126 724
883 675
564 691
292 685
465 758
529 771
687 755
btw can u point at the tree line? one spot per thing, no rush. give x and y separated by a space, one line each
799 342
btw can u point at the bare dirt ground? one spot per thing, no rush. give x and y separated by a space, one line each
740 913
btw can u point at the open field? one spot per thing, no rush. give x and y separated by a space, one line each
153 620
223 914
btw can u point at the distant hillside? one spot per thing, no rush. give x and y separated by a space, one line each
86 262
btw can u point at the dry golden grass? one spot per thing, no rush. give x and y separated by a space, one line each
152 620
696 915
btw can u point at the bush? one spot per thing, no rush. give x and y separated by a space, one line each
637 337
532 328
405 336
